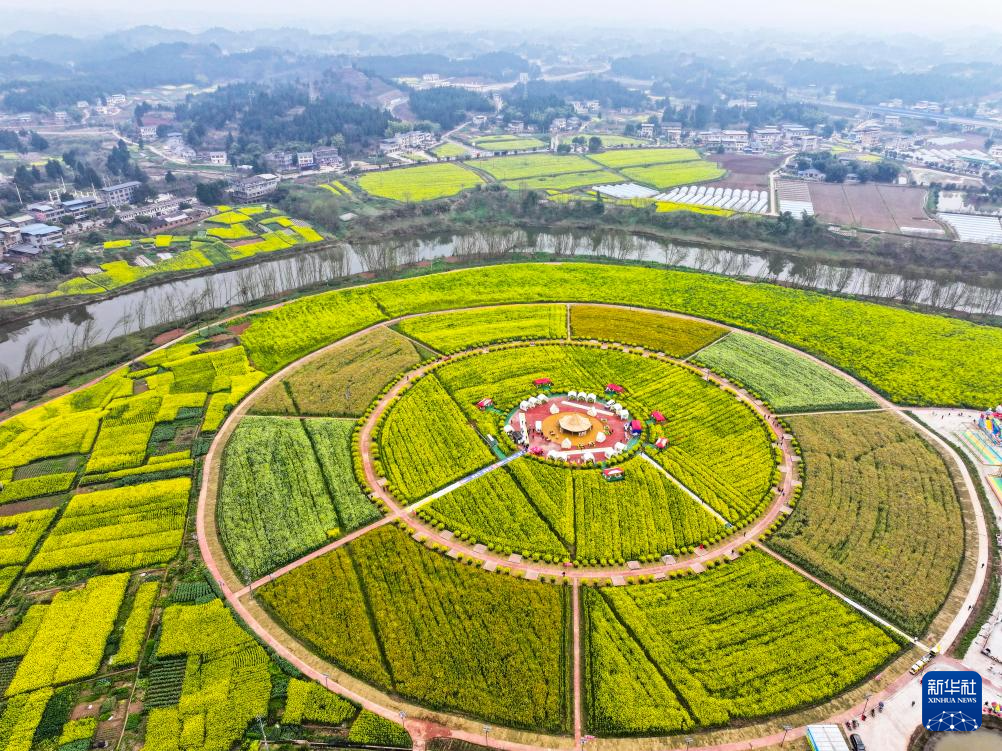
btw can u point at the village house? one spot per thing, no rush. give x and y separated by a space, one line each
255 187
327 156
672 132
121 194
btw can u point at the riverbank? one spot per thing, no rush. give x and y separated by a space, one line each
942 261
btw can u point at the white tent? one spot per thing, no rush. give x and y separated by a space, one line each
553 455
625 414
554 409
592 398
600 436
566 443
592 412
588 456
542 398
524 405
572 394
533 401
619 446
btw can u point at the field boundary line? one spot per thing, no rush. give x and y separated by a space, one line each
693 496
836 412
576 656
483 471
691 355
388 325
328 548
845 598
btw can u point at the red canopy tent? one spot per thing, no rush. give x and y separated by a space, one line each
636 427
657 416
485 403
612 388
542 382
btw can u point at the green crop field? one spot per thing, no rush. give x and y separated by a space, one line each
452 332
677 337
283 495
566 181
344 381
508 143
425 442
451 637
913 358
666 176
718 448
788 381
233 687
643 517
873 489
655 664
449 149
533 165
422 183
641 157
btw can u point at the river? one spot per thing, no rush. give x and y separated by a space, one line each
27 345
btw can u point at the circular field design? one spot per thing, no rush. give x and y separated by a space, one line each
570 519
664 463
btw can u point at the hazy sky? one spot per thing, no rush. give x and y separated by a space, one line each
881 16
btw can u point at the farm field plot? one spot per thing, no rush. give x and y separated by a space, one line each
565 181
788 381
450 149
913 358
343 382
278 499
451 637
494 510
20 533
452 332
641 157
226 682
718 447
118 529
666 176
508 143
422 183
425 443
575 514
677 337
888 208
533 165
746 171
275 339
761 641
873 490
64 640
